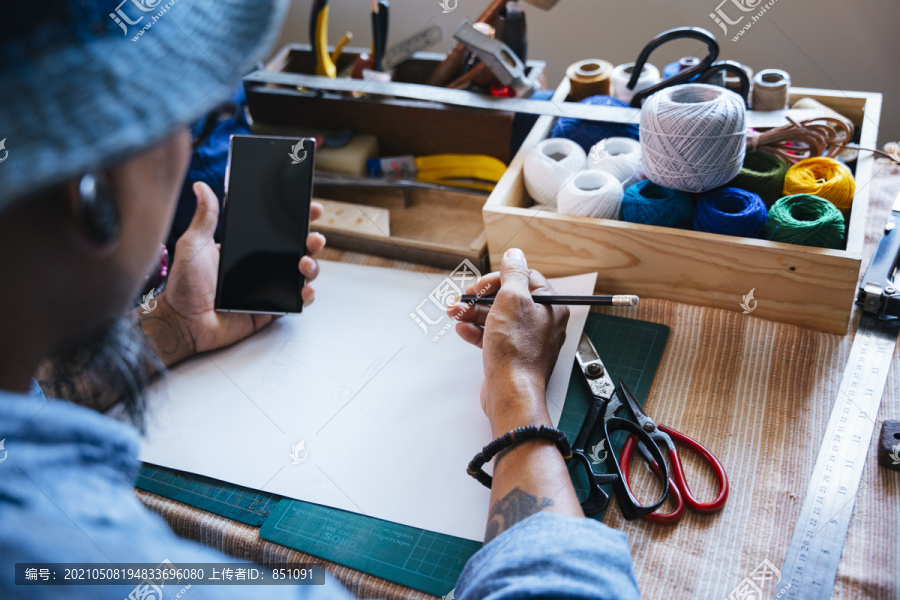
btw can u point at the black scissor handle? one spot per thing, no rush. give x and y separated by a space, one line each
631 508
735 68
695 33
597 499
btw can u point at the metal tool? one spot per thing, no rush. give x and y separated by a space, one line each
496 56
449 68
811 564
512 28
702 72
403 51
355 181
614 114
889 445
380 24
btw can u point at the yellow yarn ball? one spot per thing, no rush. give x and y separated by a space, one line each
823 177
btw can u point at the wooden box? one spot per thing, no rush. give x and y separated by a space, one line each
810 287
402 126
437 227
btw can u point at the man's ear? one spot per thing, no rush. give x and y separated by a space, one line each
94 212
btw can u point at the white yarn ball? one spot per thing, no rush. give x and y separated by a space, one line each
592 194
621 75
693 137
618 156
549 166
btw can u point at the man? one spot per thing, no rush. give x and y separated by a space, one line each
97 149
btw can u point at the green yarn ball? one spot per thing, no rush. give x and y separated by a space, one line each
762 174
806 220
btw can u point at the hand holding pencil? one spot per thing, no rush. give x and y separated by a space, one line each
521 341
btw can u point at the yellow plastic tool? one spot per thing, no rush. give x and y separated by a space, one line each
339 49
458 169
319 29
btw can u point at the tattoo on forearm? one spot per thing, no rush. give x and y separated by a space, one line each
516 506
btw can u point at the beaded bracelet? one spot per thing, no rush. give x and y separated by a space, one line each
511 438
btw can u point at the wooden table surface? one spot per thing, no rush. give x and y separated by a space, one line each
759 395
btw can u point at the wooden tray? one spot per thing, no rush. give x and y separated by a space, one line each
440 228
402 126
434 227
810 287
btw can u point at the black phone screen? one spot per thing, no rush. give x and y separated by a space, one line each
268 189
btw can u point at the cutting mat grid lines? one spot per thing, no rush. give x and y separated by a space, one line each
242 504
431 562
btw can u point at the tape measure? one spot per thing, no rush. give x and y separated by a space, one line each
811 565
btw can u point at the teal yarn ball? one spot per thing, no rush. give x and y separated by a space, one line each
806 220
651 204
762 174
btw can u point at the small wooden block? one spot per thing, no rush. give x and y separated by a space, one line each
889 445
355 218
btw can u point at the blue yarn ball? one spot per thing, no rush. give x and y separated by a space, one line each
651 204
588 133
731 211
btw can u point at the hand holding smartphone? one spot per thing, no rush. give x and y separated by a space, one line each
268 190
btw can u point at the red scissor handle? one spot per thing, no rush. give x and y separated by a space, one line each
678 472
656 517
677 482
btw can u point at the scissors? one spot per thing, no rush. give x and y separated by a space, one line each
649 437
702 72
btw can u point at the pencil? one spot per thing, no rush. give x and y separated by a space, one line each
618 300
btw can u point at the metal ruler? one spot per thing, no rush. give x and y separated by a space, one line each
811 565
575 110
404 50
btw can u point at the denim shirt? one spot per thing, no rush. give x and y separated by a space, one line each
67 495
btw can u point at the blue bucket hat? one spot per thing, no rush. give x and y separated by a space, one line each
87 83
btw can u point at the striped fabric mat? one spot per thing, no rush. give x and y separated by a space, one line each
759 395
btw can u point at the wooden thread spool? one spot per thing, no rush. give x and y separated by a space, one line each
771 90
589 77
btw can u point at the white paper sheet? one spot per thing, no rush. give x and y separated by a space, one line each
350 404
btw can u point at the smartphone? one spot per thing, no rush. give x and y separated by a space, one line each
268 189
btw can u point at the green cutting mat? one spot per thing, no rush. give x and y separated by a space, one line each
432 562
427 561
224 499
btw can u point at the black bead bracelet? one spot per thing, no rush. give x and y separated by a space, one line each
511 438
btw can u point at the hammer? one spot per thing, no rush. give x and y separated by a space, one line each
447 70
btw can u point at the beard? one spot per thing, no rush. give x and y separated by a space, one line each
109 368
